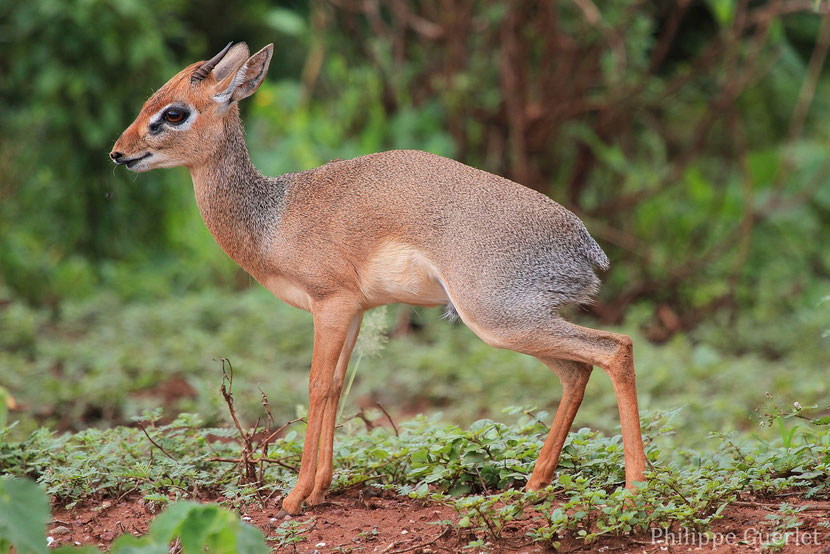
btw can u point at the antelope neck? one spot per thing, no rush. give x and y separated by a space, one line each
240 206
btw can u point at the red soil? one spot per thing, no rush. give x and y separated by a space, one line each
360 521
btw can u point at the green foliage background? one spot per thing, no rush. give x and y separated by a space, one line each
692 140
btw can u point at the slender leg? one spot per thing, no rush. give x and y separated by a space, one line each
574 377
332 319
614 354
621 372
325 468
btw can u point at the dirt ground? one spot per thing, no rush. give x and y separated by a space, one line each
359 521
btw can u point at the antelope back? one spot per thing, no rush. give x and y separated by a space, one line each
182 124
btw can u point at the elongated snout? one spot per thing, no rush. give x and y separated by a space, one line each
122 150
129 151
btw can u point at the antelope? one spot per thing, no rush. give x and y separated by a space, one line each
401 226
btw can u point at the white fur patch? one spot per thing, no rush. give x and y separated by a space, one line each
144 165
402 273
289 292
156 161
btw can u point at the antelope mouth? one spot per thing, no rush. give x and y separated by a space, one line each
131 163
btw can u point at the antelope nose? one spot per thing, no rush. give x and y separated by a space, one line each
116 155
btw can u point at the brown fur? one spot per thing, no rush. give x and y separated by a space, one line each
401 226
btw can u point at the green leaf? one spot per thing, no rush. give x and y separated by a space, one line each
249 540
203 527
167 525
24 512
199 526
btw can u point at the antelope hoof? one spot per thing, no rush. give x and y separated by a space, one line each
534 485
316 498
291 505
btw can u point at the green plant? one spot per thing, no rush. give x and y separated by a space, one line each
784 522
24 511
489 514
290 533
197 527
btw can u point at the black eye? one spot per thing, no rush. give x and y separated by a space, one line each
175 115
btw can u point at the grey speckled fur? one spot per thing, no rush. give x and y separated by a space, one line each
521 254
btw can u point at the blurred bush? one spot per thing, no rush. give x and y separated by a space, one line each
75 74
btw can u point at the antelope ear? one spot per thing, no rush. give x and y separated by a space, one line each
240 82
231 61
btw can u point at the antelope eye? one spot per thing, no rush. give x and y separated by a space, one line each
175 115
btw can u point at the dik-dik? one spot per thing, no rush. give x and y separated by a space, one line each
401 226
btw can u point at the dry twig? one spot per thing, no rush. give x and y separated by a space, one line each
389 417
154 443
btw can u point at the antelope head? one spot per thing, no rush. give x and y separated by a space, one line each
182 124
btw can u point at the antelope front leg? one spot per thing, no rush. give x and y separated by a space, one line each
332 319
325 467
